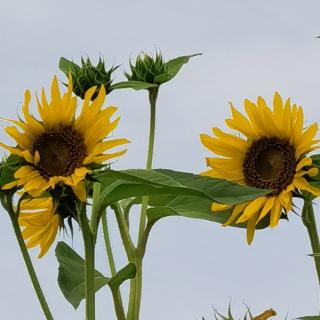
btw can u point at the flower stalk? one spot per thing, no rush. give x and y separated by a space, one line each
136 283
24 251
309 221
89 248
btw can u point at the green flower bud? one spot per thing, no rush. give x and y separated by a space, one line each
154 70
87 75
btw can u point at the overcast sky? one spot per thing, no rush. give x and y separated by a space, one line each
249 48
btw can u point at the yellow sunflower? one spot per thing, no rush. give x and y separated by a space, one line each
271 155
62 147
40 222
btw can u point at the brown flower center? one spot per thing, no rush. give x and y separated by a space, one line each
61 151
270 163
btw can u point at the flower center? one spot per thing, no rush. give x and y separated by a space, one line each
270 163
61 151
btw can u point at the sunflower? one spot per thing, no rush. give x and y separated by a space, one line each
40 221
62 148
271 155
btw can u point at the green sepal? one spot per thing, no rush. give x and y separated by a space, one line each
8 167
67 66
71 275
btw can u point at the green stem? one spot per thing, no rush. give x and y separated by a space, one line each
310 223
116 295
28 262
108 244
89 247
136 283
124 232
153 94
95 215
127 211
118 305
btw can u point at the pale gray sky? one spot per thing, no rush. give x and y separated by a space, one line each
250 48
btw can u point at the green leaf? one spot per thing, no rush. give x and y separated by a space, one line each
71 275
173 66
126 273
191 207
125 184
309 318
67 66
136 85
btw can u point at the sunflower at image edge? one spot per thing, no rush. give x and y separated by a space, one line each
61 148
272 155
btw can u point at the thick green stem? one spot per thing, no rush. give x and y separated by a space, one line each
28 262
153 94
89 248
96 212
310 223
136 283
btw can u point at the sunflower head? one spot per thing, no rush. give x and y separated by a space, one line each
270 154
87 75
61 148
147 69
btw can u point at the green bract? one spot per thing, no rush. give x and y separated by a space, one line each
87 75
154 70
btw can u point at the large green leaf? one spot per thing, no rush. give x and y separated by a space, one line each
191 207
136 85
125 184
71 275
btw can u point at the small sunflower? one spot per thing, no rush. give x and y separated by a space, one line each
272 155
62 147
40 221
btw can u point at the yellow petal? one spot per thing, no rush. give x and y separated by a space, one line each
251 225
275 213
235 213
266 208
241 124
303 163
80 191
219 206
252 208
301 183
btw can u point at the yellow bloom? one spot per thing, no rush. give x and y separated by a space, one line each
61 147
40 222
272 155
